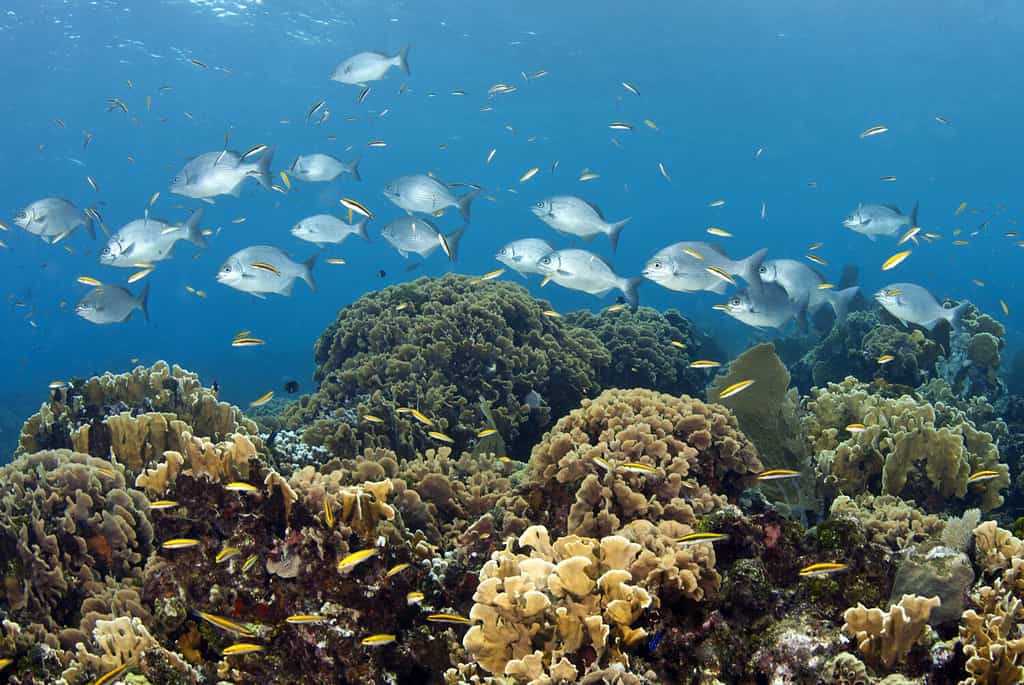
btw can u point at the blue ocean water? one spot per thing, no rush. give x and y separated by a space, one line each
720 81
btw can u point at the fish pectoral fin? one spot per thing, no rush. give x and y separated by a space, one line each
259 295
563 272
129 248
208 200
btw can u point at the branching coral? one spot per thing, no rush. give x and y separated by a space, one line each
536 611
885 638
643 349
462 351
904 448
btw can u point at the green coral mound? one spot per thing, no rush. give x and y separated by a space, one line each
642 350
464 352
906 448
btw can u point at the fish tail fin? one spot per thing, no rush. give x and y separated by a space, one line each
464 202
749 268
913 214
361 229
262 170
90 227
630 291
403 58
452 242
353 168
143 301
841 300
955 316
307 272
193 231
615 229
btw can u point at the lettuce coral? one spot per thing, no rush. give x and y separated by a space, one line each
904 448
468 354
886 638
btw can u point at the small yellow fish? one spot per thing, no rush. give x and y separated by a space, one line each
735 389
855 428
821 569
180 543
960 209
419 416
304 619
88 280
413 598
811 257
1006 308
486 432
378 640
704 364
286 180
620 126
59 385
372 418
335 260
814 246
398 568
226 553
161 504
328 512
677 343
354 206
248 342
355 558
650 124
153 197
982 476
698 538
636 467
239 486
589 176
721 273
262 399
720 232
909 235
551 313
961 243
717 203
615 307
491 275
448 618
826 286
777 474
443 437
239 220
980 284
895 260
5 662
873 131
530 173
693 253
885 359
109 676
242 648
266 267
139 275
249 562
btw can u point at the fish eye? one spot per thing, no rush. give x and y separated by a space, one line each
503 251
657 265
106 250
540 204
545 260
226 269
735 302
763 269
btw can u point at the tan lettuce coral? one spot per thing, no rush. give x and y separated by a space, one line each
904 449
885 638
232 459
534 612
890 520
993 637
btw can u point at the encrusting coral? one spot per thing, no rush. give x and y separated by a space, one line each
903 449
467 354
890 520
534 612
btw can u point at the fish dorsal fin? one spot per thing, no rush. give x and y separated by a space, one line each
717 247
894 208
594 207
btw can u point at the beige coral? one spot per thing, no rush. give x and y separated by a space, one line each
534 611
993 638
885 638
232 459
890 520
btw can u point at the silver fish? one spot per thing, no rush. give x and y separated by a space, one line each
801 283
420 236
522 255
150 240
320 167
683 267
425 194
910 303
326 228
768 306
876 220
574 216
239 272
112 304
221 173
51 217
587 272
364 67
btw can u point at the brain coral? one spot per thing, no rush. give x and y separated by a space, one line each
642 350
466 353
905 448
67 523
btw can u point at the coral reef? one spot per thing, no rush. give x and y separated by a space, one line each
903 449
885 638
971 367
644 349
467 354
889 520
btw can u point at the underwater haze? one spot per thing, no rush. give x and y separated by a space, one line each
517 343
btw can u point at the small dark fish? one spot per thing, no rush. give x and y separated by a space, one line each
362 94
382 273
621 299
412 267
198 63
317 106
653 643
291 387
